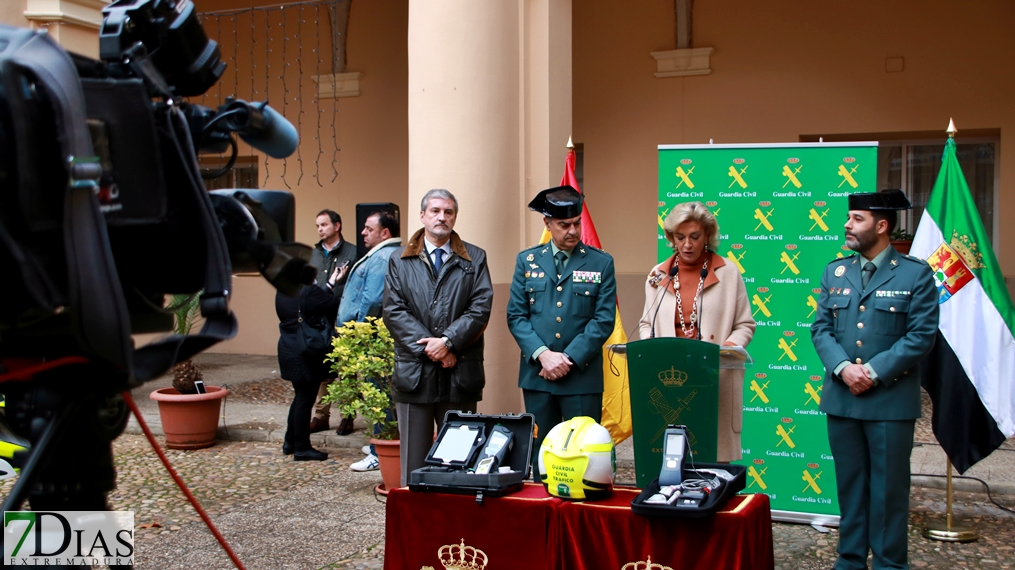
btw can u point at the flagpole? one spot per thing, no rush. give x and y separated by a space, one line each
948 532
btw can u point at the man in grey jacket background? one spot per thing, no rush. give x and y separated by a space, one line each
437 302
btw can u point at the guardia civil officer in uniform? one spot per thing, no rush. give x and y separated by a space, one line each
877 318
561 311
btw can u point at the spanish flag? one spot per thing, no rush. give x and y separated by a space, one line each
616 395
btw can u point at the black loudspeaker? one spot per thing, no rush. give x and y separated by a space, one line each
363 212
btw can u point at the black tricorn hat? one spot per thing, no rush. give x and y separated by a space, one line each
562 202
888 199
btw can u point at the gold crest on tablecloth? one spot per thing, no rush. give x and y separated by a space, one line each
644 565
460 557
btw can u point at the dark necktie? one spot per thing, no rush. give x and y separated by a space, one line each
868 271
438 259
561 260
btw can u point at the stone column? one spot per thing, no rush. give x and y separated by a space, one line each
489 115
74 24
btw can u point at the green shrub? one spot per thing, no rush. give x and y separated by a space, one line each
363 356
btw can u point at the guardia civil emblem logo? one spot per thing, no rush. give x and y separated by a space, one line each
811 479
756 475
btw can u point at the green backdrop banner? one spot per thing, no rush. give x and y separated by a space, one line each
780 209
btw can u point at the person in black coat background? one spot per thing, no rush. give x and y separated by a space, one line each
305 371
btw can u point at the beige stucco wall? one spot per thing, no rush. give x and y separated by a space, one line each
779 71
370 131
799 68
72 23
12 13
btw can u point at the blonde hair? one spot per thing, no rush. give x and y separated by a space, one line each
693 212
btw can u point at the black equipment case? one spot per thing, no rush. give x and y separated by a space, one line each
458 478
716 499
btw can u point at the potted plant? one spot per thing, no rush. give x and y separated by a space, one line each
189 419
363 357
902 240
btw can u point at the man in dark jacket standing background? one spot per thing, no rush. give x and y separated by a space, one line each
332 257
437 302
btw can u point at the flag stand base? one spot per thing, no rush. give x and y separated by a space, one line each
942 533
949 532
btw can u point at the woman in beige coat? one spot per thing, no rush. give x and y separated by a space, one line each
700 275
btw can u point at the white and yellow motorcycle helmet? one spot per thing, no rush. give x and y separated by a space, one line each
577 460
9 445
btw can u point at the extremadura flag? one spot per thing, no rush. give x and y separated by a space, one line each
970 375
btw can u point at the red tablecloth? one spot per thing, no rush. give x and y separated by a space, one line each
607 535
532 530
516 531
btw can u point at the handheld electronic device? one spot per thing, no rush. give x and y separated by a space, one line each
199 386
498 445
484 465
675 450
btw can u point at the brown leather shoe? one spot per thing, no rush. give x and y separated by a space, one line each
317 424
345 427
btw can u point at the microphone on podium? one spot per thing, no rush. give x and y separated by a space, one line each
701 302
669 277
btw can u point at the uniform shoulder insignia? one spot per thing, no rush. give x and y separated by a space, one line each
529 251
841 258
914 259
595 249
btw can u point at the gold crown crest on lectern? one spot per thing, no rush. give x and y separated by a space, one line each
644 565
673 377
461 557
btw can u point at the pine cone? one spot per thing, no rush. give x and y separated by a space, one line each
184 376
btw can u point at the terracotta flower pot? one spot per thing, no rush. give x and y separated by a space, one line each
189 421
389 456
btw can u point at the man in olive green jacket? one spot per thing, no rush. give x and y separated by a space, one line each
561 311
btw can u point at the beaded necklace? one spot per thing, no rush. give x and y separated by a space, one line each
694 306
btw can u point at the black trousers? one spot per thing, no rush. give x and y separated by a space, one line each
297 431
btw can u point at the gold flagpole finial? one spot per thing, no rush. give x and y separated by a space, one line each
570 145
951 129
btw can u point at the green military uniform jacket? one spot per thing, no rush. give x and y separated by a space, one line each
891 325
574 314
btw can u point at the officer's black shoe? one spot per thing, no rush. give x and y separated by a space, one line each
287 449
310 455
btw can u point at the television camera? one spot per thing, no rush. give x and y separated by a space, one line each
102 215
